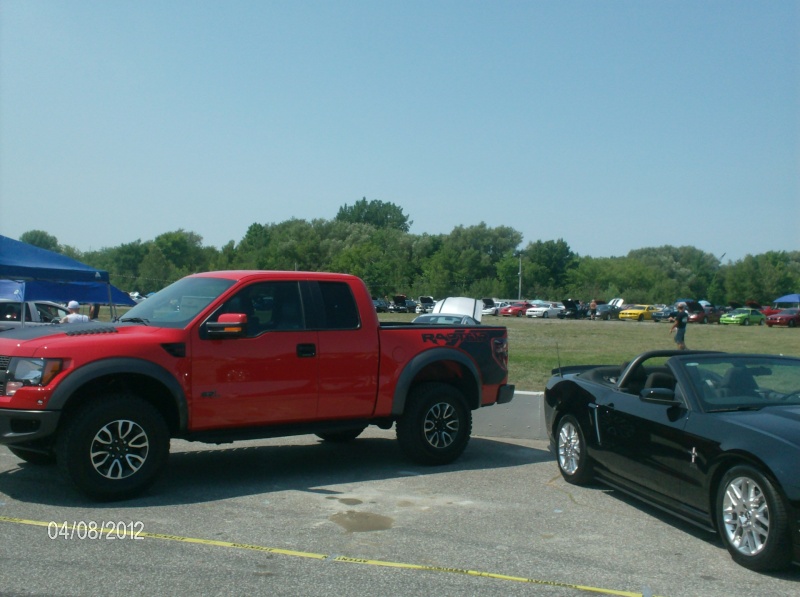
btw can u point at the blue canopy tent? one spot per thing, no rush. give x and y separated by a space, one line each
789 301
63 292
31 273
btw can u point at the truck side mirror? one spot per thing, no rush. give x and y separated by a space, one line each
229 325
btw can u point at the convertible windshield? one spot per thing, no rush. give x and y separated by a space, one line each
177 304
738 382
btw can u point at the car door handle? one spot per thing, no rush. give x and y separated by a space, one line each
305 351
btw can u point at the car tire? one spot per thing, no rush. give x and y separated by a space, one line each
752 519
340 437
746 322
37 458
574 463
115 448
791 323
641 318
705 319
436 425
760 322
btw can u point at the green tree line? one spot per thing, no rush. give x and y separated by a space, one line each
371 239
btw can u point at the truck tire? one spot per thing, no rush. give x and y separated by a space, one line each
115 448
436 426
37 458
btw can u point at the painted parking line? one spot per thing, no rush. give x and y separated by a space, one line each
140 534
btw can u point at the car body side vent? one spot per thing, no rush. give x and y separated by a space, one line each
176 349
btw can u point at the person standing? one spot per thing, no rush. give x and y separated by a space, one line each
679 326
74 315
593 309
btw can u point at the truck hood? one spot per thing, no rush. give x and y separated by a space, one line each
71 336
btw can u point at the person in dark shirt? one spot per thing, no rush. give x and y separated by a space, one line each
679 326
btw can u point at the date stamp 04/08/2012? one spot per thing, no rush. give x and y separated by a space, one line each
90 529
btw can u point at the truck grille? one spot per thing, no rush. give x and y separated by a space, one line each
4 361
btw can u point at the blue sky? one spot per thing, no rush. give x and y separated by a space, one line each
613 125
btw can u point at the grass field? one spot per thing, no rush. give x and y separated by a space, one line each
536 345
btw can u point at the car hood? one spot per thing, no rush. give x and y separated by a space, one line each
779 422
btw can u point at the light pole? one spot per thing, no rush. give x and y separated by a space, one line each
519 291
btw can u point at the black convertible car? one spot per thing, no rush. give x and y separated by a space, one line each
711 437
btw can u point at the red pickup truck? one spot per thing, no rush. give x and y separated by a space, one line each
224 356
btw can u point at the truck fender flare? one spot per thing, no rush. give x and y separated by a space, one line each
96 369
422 360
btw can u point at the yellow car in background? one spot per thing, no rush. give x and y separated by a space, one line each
638 312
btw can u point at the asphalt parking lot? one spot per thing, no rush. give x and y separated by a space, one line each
296 516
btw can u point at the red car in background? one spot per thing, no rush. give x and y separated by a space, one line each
788 317
516 309
705 315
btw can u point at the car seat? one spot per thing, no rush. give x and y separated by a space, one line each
738 381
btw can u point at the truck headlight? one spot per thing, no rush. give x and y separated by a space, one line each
30 372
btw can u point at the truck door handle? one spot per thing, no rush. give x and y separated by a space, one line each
305 351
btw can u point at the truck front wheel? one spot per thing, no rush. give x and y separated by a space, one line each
436 426
114 448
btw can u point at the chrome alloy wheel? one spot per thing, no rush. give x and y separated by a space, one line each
441 425
745 514
119 449
569 448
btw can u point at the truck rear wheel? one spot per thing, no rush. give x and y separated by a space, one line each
436 426
115 448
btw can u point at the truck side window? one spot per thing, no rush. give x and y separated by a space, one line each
268 306
340 308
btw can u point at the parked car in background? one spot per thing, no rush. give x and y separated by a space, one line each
788 317
515 309
381 306
411 306
664 313
545 310
490 307
449 319
638 312
573 309
743 316
710 437
606 312
425 304
708 314
36 313
398 304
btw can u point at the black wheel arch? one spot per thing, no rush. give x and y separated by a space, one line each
139 377
439 365
569 398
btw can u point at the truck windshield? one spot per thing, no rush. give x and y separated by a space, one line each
179 303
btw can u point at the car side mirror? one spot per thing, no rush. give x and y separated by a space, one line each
663 396
228 325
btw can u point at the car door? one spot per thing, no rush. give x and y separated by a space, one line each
644 442
269 376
